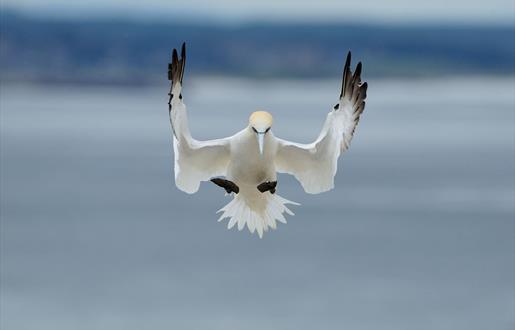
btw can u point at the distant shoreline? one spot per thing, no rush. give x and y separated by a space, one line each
125 52
151 83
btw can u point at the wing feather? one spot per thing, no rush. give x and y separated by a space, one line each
195 160
315 164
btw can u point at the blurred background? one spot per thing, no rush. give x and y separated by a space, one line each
419 232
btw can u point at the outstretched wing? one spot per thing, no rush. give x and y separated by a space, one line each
315 164
195 161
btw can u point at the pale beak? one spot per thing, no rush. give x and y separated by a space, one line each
261 141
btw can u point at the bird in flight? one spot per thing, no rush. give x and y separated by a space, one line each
246 164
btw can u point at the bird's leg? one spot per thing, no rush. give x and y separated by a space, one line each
229 186
267 186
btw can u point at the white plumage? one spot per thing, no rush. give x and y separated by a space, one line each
250 159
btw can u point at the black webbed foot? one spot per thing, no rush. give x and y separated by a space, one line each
229 186
267 186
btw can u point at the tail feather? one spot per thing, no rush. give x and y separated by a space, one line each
241 220
231 223
239 212
270 220
259 228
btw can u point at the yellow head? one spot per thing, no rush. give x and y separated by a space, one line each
260 122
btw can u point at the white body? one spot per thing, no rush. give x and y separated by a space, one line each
246 165
248 168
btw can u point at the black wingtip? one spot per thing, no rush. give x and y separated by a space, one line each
176 68
183 59
347 61
363 90
346 75
175 56
172 65
357 73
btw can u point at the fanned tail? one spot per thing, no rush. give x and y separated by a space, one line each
257 219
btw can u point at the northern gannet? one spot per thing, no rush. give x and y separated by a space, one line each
246 164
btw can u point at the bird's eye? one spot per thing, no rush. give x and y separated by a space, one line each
255 130
267 130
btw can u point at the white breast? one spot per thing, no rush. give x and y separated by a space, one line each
247 166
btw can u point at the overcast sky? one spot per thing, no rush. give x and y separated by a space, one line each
395 11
